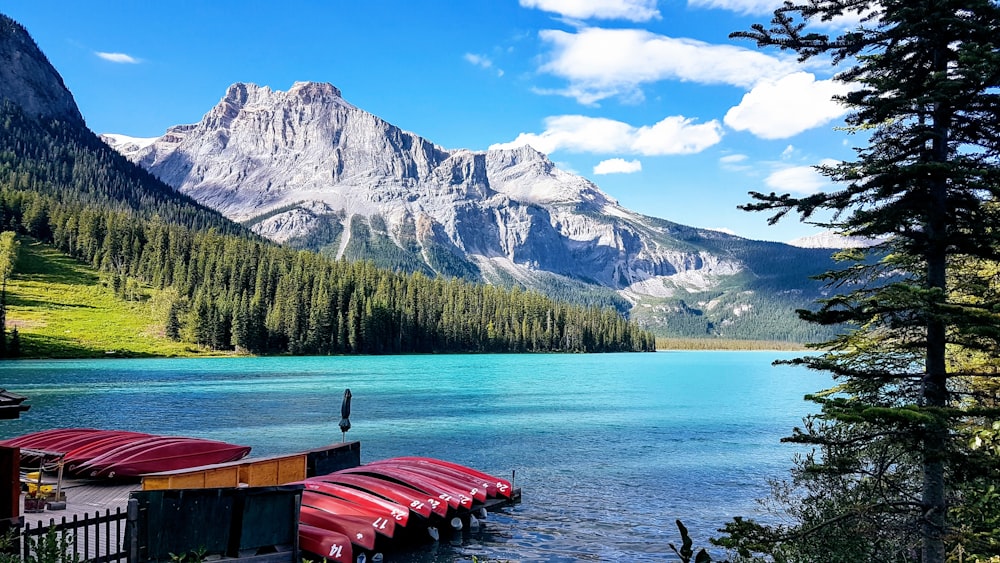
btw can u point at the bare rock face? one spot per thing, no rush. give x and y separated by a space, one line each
308 168
28 80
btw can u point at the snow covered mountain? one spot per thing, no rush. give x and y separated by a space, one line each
307 168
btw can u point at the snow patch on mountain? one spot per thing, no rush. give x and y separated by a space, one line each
127 145
832 240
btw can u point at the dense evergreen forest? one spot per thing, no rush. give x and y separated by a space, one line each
230 289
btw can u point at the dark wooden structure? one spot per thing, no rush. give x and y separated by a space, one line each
11 405
258 524
335 457
10 490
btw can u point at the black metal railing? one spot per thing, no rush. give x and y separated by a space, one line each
93 539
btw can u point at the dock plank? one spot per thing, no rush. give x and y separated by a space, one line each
85 498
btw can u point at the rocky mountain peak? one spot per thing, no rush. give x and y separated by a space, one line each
237 94
309 91
28 79
518 155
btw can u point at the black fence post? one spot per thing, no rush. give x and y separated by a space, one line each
132 531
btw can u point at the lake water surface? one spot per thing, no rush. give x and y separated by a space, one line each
608 449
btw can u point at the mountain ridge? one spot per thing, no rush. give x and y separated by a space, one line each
279 160
307 168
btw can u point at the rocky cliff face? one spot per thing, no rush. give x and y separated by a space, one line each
27 78
308 168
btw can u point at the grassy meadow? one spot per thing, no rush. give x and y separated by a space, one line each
62 309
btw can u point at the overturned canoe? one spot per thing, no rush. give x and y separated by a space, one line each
399 513
164 454
401 500
454 496
469 486
43 439
357 529
496 485
419 502
330 545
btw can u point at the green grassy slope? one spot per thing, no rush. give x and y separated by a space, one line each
61 309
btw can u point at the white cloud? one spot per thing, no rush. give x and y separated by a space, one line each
478 60
578 133
618 166
677 135
118 57
631 10
849 20
782 108
739 6
735 162
482 61
799 179
601 63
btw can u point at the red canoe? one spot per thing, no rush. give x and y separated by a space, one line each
102 445
454 497
358 530
330 545
468 485
161 454
418 501
503 486
64 442
38 440
52 441
122 447
393 510
485 485
377 519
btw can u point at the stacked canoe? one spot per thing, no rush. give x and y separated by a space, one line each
391 502
93 453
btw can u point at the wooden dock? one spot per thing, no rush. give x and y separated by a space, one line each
84 498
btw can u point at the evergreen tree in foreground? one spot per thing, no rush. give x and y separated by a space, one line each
893 474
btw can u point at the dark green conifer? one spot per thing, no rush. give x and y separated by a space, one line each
926 102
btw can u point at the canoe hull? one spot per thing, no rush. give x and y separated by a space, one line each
330 545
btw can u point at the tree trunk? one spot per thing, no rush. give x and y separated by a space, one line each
935 381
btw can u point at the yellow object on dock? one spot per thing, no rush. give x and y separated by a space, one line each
36 489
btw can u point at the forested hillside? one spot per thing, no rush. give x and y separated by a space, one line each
230 289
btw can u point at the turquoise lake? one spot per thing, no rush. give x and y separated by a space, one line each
608 449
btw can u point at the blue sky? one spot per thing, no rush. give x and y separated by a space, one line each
649 99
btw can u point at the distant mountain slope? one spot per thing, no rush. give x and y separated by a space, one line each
307 168
45 146
28 80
